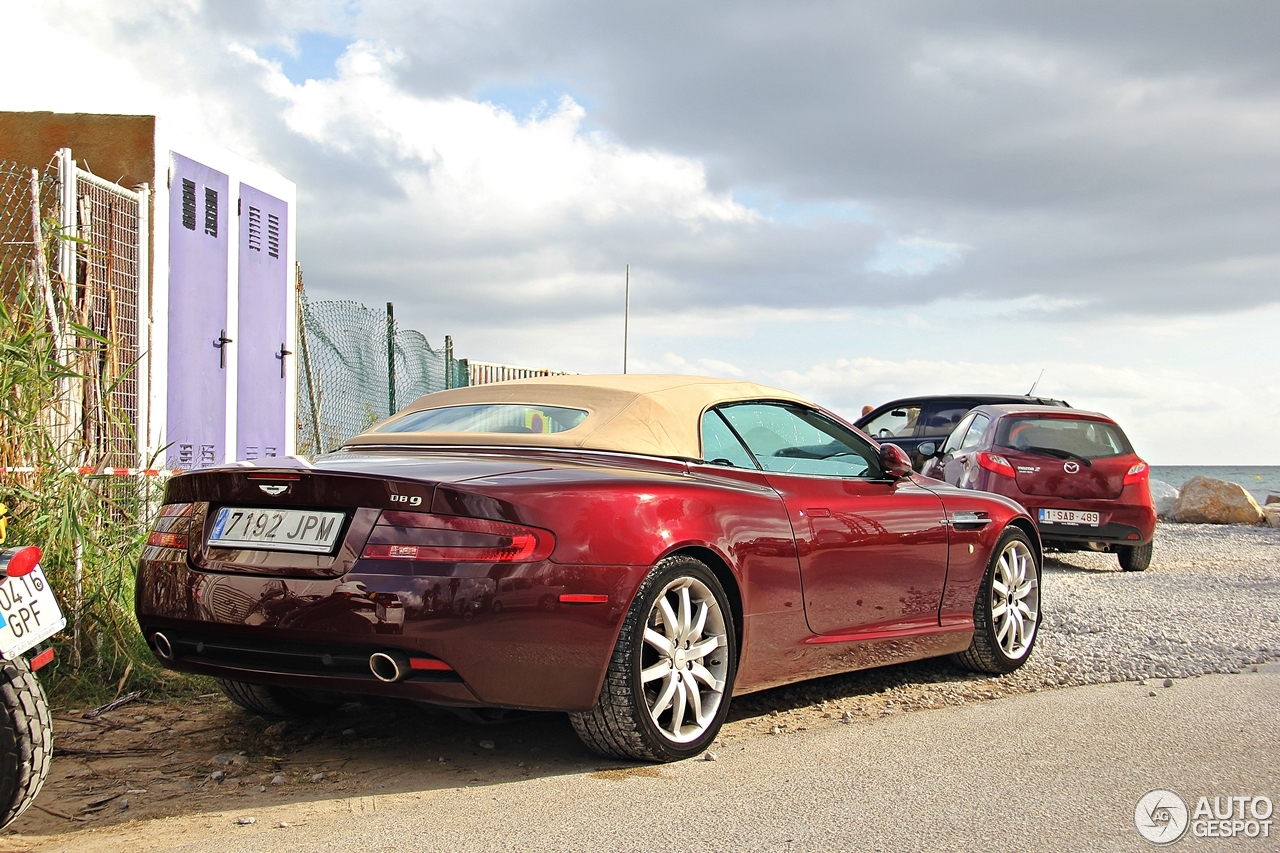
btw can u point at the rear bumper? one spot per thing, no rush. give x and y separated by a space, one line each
319 633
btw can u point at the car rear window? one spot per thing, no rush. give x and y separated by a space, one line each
493 418
1086 439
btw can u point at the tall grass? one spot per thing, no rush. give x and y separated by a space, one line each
91 529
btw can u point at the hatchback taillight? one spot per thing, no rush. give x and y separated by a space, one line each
171 527
454 539
995 463
1137 474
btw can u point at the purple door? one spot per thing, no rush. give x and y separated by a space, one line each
264 353
198 334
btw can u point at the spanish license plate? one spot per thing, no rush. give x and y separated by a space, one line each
304 530
29 613
1069 516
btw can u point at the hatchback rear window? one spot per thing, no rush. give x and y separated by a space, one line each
1081 438
493 418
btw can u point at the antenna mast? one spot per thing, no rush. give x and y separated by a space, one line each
1037 382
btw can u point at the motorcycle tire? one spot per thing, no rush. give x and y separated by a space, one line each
26 739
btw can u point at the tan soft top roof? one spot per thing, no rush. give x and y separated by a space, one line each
656 415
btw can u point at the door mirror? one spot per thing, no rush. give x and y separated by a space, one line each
927 449
897 463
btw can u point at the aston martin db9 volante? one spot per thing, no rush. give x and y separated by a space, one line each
633 550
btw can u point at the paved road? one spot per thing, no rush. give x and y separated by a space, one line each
1057 770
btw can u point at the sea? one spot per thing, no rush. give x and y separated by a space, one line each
1260 480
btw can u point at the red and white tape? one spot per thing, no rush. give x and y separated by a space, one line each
90 471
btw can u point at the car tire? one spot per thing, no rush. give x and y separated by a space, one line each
1006 615
667 689
1135 558
281 703
26 738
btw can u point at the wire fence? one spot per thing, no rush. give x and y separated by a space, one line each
357 366
17 246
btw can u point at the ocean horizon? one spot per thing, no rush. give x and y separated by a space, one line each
1259 480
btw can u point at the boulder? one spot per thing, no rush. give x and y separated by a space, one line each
1204 500
1273 499
1163 497
1272 513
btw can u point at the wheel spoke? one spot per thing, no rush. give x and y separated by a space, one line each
669 626
678 705
664 645
999 587
695 696
999 610
705 647
700 621
1005 624
704 675
665 695
658 670
685 616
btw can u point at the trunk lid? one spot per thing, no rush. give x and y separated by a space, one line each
358 485
1072 478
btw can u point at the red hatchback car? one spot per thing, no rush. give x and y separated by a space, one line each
1074 471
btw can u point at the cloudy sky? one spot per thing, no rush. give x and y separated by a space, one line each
853 200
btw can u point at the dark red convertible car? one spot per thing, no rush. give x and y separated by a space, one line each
633 550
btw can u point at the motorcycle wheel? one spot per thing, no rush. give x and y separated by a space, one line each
26 739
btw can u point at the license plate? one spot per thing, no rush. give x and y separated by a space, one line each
276 529
1069 516
29 613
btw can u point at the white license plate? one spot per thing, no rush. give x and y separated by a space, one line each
1069 516
259 529
29 613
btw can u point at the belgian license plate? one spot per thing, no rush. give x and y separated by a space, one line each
29 613
1069 516
259 529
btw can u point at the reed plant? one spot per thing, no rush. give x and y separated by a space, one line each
91 529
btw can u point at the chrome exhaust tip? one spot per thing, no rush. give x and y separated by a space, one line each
164 649
389 666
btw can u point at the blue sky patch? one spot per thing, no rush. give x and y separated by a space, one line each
529 101
314 59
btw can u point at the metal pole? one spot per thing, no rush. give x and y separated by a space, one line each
448 361
626 321
306 367
391 360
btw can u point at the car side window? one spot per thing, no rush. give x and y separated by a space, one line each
720 446
789 439
957 436
898 422
940 420
973 437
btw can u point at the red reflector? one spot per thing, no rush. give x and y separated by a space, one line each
429 665
1133 536
454 539
995 463
167 540
42 660
22 562
571 598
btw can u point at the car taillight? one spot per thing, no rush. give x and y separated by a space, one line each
454 539
995 463
1137 474
21 562
172 523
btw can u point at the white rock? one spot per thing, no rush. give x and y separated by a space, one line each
1163 496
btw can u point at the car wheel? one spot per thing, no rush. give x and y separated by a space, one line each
270 700
1135 558
497 607
667 689
1006 616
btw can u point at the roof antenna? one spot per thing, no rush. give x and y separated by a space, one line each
1037 382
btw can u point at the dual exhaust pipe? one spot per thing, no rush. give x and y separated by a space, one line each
389 666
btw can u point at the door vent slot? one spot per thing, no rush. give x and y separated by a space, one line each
273 235
188 204
255 229
211 212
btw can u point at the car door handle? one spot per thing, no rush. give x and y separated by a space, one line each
817 512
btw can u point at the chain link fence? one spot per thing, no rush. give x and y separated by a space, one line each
17 246
356 366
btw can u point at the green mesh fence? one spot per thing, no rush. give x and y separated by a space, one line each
343 366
